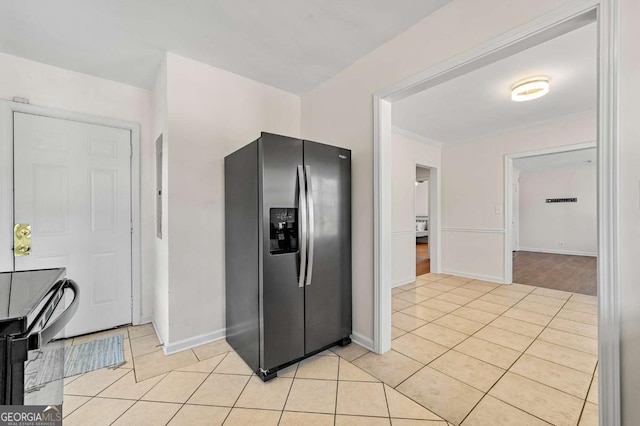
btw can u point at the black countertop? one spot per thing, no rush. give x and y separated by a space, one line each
21 294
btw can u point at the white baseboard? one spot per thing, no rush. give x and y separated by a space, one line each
491 278
363 341
145 319
160 337
402 282
192 342
553 251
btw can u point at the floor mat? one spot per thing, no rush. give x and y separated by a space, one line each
50 365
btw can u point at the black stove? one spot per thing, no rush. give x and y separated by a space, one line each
20 295
33 310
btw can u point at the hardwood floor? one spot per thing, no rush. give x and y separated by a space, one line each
576 274
423 263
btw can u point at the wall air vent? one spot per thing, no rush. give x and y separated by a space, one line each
562 200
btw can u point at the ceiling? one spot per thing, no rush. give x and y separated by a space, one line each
290 44
479 103
557 160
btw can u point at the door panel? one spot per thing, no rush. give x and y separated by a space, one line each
51 198
72 184
104 202
282 301
328 296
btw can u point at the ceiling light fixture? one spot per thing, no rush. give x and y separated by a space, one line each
532 88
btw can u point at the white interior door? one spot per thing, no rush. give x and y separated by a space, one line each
72 184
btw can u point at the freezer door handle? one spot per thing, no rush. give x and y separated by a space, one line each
302 225
311 225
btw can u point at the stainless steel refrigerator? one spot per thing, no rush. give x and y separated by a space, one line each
287 250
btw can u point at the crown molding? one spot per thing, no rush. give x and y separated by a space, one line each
416 136
591 113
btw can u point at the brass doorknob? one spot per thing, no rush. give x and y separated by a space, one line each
21 239
23 249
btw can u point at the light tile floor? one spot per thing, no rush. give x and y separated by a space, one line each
479 353
463 352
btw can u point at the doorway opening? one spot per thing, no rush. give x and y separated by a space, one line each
421 207
535 33
116 200
415 208
553 210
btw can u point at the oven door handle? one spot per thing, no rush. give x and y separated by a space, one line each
47 334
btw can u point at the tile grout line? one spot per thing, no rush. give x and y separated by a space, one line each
386 400
552 362
78 407
133 362
239 394
501 315
293 379
471 356
449 291
383 383
411 399
206 378
176 413
522 352
509 370
143 395
124 412
192 393
358 357
452 290
335 407
496 382
497 287
505 370
449 349
584 403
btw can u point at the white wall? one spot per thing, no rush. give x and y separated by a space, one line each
422 198
515 227
161 246
340 111
569 228
406 152
211 113
473 192
53 87
629 203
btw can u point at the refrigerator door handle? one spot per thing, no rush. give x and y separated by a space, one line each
302 225
311 225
